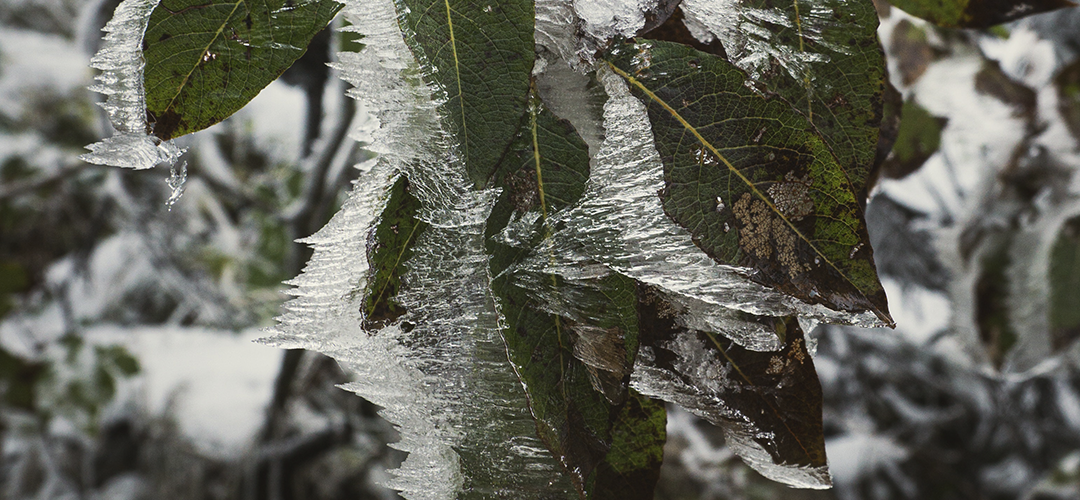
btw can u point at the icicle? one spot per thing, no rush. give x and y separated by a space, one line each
121 62
176 181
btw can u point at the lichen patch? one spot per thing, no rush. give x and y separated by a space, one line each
762 232
792 196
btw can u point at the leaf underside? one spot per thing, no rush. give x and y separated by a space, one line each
206 59
768 403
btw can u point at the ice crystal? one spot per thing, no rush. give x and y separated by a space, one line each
442 367
121 63
620 223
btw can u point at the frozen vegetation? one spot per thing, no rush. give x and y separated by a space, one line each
142 316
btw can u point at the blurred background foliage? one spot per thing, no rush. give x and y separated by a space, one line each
127 369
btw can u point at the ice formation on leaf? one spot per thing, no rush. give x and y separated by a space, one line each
121 62
440 368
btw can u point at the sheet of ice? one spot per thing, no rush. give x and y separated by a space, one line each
605 19
121 62
747 34
441 368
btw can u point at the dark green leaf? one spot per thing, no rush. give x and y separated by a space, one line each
390 246
753 182
976 13
18 380
1068 86
992 297
481 54
767 403
1065 287
918 139
822 57
572 343
205 59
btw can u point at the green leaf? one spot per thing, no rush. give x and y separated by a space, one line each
918 139
821 56
1065 286
390 246
976 13
1068 86
205 59
768 403
19 380
481 54
572 343
753 182
992 311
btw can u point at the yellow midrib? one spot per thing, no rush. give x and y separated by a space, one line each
180 88
736 171
457 75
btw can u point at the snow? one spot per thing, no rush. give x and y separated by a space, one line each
852 456
215 384
37 62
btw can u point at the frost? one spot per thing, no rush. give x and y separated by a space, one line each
120 60
442 367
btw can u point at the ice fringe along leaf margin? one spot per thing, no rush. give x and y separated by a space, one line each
121 63
446 369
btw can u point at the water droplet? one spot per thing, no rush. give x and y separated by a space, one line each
719 204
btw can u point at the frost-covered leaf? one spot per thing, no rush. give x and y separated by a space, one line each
976 13
438 369
480 54
821 56
206 59
768 403
753 182
391 245
571 339
1065 286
